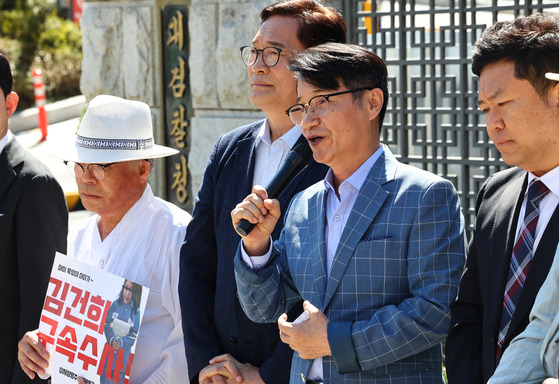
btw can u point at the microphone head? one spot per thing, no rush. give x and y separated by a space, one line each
303 150
294 162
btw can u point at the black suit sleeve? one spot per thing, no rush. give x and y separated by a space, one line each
464 342
199 268
197 281
42 229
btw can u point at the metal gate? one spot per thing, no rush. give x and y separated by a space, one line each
432 120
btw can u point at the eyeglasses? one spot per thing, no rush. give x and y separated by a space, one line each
270 55
318 105
96 170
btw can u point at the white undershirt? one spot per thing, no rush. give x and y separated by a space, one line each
5 140
269 156
547 205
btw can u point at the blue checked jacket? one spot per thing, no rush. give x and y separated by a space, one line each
395 273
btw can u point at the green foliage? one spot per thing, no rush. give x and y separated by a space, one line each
35 37
59 54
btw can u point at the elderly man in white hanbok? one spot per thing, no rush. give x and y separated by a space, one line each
134 234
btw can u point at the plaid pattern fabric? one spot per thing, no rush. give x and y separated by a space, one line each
522 254
395 272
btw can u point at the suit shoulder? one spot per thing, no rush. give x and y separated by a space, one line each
34 168
298 207
495 186
420 177
504 177
303 196
26 165
239 133
228 143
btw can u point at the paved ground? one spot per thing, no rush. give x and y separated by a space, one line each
29 139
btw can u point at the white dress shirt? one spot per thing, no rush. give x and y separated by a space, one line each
269 156
338 210
144 247
547 205
5 140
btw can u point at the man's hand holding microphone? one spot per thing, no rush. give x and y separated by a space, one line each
254 220
261 209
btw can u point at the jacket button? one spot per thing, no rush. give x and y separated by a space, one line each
232 341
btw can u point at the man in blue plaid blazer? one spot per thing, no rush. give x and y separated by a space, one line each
376 250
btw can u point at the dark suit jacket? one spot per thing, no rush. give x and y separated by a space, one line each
476 313
212 318
33 226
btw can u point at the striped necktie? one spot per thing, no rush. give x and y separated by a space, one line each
522 254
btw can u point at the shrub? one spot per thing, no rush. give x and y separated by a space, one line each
59 54
36 37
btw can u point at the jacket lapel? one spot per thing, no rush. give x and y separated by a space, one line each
539 268
317 220
244 169
369 201
503 233
8 159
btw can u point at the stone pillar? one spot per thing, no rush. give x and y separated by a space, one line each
122 56
218 76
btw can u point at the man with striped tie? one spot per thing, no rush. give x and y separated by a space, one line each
517 219
532 356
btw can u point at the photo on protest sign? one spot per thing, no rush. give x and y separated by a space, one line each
90 322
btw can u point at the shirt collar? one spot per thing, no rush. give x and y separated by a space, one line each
358 177
5 140
550 179
289 138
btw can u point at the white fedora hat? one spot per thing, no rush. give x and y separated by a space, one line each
552 76
112 130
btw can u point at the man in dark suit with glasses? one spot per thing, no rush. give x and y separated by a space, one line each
517 211
219 339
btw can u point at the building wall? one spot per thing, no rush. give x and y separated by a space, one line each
122 56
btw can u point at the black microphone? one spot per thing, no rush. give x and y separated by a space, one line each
295 161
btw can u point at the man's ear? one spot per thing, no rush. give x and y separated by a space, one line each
375 100
145 169
11 103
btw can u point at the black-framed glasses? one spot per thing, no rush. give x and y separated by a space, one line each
96 170
318 105
270 55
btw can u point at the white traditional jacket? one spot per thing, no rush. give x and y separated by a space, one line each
144 248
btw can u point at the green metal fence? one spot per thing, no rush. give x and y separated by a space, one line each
432 119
